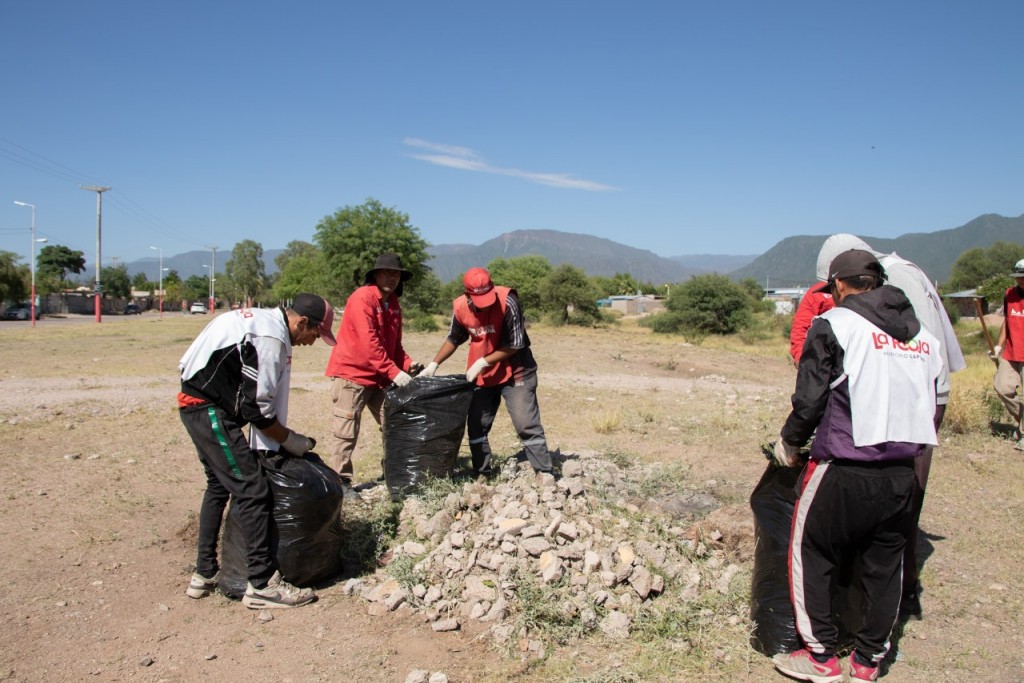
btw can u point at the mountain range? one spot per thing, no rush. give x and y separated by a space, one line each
789 263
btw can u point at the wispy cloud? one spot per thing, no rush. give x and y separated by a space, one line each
467 159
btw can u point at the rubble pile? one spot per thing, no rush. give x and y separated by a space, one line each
572 539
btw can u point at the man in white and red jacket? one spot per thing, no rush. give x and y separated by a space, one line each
866 389
500 363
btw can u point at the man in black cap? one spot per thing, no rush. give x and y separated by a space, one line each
369 359
238 372
867 383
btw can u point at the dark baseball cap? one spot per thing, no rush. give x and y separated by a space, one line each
855 263
319 312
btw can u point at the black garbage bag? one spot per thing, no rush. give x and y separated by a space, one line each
771 610
306 529
424 423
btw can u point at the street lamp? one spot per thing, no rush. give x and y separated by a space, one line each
99 231
32 265
161 278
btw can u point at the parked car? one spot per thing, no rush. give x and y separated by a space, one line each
20 312
198 307
133 309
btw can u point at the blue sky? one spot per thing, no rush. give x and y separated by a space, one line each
679 127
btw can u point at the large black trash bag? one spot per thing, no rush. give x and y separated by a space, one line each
771 609
306 530
424 423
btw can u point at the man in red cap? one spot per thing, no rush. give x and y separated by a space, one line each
500 363
368 359
1009 354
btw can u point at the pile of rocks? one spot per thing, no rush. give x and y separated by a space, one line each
572 539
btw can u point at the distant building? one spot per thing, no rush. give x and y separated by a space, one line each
963 302
633 304
786 299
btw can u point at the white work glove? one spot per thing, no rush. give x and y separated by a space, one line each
430 370
298 444
476 368
786 455
996 350
402 378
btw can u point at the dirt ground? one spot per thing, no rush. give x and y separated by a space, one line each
101 486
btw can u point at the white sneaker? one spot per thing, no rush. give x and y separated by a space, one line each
277 593
199 586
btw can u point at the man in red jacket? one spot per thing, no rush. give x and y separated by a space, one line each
816 301
500 363
367 359
1010 354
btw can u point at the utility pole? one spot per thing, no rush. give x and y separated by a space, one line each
213 269
99 242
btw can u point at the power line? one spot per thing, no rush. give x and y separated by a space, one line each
120 202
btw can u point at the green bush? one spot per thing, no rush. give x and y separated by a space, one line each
421 322
708 304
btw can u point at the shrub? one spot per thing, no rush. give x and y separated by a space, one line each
710 304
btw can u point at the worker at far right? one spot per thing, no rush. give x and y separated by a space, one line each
1009 354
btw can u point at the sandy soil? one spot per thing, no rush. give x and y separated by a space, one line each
101 488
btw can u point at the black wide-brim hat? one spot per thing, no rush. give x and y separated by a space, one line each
388 261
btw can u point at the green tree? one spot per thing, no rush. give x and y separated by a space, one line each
302 268
173 291
196 288
141 283
353 237
425 295
13 277
706 304
53 265
568 294
245 271
116 282
450 291
526 275
978 266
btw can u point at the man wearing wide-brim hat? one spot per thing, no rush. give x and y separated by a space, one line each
367 359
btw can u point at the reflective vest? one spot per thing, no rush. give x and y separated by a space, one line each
486 329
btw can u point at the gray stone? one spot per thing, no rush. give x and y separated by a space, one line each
445 625
535 546
616 625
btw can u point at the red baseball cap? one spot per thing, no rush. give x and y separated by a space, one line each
478 286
